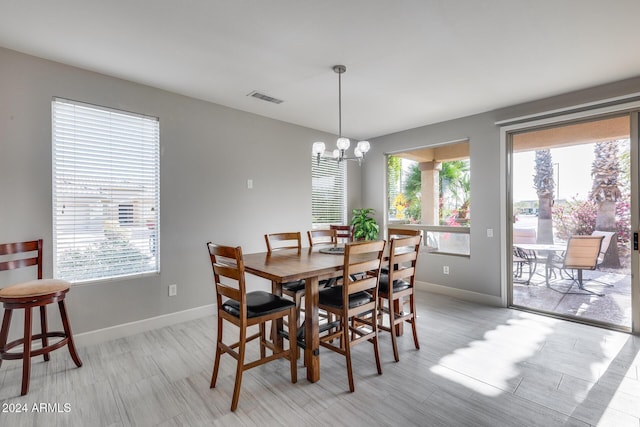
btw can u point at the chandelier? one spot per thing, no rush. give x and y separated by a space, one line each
339 154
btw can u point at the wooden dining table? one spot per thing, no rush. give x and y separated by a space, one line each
290 265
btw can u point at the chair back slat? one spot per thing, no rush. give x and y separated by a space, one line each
365 284
322 237
20 260
403 273
287 240
402 232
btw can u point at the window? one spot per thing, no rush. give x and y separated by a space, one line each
106 182
329 192
430 188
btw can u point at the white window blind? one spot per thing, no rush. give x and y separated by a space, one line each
106 182
329 192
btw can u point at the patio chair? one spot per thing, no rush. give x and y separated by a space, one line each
606 242
522 257
582 254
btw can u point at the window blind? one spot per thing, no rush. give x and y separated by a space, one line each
329 192
106 182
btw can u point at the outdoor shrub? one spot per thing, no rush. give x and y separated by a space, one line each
579 217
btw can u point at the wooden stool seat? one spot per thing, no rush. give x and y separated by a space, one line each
33 289
27 295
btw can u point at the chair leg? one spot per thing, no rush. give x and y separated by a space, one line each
239 368
43 331
293 348
375 346
263 337
216 363
4 333
26 352
393 330
67 330
412 305
347 351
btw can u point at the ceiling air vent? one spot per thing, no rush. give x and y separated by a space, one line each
264 97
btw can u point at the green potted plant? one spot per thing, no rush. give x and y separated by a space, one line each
364 224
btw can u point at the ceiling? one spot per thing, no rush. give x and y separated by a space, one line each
409 62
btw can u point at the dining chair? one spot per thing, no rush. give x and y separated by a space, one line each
354 303
322 237
401 232
403 256
27 295
344 233
245 309
581 254
393 232
295 289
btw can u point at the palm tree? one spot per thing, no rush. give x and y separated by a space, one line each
605 193
412 188
394 173
452 177
544 183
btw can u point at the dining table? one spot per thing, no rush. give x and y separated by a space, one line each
541 249
289 265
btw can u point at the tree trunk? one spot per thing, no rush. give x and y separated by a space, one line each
606 221
545 224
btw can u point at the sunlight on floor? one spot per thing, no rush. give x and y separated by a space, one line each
501 350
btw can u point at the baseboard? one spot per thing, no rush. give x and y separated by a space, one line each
460 294
126 329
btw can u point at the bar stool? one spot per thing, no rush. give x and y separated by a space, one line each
27 295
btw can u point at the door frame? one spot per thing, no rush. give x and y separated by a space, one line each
558 117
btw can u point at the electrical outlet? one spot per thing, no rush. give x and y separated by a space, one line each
445 269
173 290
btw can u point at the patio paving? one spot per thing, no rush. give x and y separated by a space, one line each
614 307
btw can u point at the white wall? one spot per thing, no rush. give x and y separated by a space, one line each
208 153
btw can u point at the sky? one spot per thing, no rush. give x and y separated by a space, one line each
574 172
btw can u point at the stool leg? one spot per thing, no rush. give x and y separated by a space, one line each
43 330
26 352
67 331
4 333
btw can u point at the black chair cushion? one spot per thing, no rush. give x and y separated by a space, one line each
259 303
398 285
296 286
332 296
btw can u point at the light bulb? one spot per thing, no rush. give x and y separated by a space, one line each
318 148
364 146
343 143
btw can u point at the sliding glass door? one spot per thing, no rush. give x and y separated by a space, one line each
571 204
